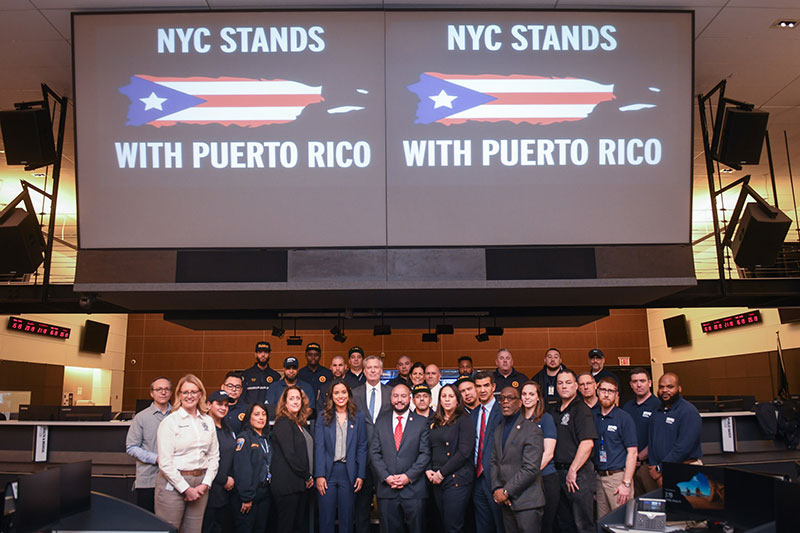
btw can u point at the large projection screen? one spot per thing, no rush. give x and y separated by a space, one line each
373 128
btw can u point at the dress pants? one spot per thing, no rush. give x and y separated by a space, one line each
452 503
576 509
606 499
292 512
173 509
398 514
552 493
254 521
145 498
525 521
339 496
218 519
364 502
488 518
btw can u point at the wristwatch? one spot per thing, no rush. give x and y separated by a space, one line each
626 483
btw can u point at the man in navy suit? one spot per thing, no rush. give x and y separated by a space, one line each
487 417
373 399
400 453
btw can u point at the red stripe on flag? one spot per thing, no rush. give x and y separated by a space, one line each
531 120
242 123
258 100
549 98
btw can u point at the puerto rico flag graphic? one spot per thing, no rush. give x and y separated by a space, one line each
243 102
455 99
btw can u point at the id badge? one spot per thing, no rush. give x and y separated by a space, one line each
603 456
551 390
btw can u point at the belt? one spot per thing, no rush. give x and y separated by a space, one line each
197 472
609 472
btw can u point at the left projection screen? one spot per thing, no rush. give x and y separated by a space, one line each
230 130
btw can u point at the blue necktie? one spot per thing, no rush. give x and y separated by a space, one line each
372 404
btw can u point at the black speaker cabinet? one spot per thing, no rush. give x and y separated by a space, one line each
95 336
676 331
789 315
21 243
759 237
28 137
742 137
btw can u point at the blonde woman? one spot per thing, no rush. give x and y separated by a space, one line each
188 458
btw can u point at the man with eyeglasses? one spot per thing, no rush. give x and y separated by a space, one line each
587 386
615 449
141 441
236 406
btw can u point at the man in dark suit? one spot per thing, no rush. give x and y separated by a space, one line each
516 476
373 399
486 417
400 452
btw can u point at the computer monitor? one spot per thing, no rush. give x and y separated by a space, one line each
75 487
142 404
38 500
749 498
786 497
85 413
693 492
39 412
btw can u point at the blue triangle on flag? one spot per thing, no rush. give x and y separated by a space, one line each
429 86
140 88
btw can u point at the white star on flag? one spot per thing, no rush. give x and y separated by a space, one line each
442 100
153 102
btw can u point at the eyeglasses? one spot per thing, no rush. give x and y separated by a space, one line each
508 398
607 391
190 393
231 386
161 389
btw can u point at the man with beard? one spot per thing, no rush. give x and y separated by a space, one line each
338 372
403 373
466 386
465 366
259 377
674 429
546 378
313 373
400 452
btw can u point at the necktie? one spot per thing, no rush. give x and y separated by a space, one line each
372 404
480 441
398 432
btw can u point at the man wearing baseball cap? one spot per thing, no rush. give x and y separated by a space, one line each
355 373
597 360
313 373
290 372
259 377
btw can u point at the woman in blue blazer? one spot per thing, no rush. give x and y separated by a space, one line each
340 457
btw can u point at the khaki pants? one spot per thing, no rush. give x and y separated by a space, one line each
172 508
606 499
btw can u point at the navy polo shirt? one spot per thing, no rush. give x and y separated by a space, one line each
675 434
316 378
642 414
515 379
616 432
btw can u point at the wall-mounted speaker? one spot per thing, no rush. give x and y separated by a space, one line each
759 237
789 315
28 137
21 243
95 336
676 331
742 137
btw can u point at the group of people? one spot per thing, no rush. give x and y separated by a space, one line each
492 452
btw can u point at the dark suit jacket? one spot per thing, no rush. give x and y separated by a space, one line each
355 447
362 404
515 466
452 451
289 458
495 419
411 459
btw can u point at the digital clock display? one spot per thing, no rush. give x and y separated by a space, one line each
37 328
735 321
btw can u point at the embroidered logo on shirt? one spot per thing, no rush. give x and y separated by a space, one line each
515 384
239 444
670 420
252 379
646 414
565 419
612 428
241 417
269 379
322 379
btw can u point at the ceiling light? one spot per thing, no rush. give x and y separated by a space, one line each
340 337
278 332
786 23
383 329
726 171
294 340
482 337
494 331
444 329
430 337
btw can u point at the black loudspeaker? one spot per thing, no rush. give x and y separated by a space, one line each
95 336
759 237
28 137
676 331
21 243
789 314
742 137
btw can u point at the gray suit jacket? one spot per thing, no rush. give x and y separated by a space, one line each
515 466
411 459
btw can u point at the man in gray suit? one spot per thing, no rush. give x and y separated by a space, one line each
516 457
400 453
373 399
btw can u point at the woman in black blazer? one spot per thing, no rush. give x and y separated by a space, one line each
451 473
292 461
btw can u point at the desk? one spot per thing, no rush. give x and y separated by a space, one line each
111 514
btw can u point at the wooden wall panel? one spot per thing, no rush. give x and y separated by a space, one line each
162 348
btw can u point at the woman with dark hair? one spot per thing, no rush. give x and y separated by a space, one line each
417 374
292 461
534 409
340 457
218 509
452 474
251 471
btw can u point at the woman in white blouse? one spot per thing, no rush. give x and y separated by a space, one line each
188 458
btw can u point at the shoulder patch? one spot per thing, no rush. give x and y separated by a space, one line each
252 379
239 444
254 445
515 384
241 417
269 379
322 379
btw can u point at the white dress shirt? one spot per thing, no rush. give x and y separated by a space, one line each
187 443
378 399
403 420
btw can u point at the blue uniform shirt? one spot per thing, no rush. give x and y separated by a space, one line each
256 382
275 391
675 434
548 427
235 416
316 378
616 432
642 414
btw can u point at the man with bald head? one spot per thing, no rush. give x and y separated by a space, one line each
403 373
674 435
432 377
